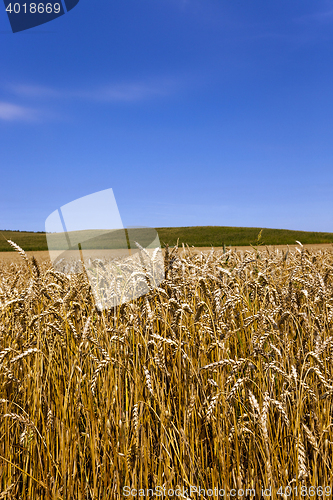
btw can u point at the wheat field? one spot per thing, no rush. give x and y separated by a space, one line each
220 377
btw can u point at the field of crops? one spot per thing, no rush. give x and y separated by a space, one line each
221 377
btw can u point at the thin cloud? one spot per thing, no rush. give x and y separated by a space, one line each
35 91
318 17
129 92
13 112
114 93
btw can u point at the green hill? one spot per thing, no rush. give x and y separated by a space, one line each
198 236
206 236
26 240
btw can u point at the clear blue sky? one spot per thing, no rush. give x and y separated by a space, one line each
195 112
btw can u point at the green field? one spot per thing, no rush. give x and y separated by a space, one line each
217 236
199 236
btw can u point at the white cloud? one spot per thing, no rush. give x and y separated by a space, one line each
35 91
13 112
319 17
113 93
129 92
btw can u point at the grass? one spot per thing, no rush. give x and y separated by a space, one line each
206 236
27 240
200 236
220 377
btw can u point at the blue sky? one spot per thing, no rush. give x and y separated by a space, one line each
195 112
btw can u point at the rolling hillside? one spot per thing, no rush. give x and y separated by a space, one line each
198 236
